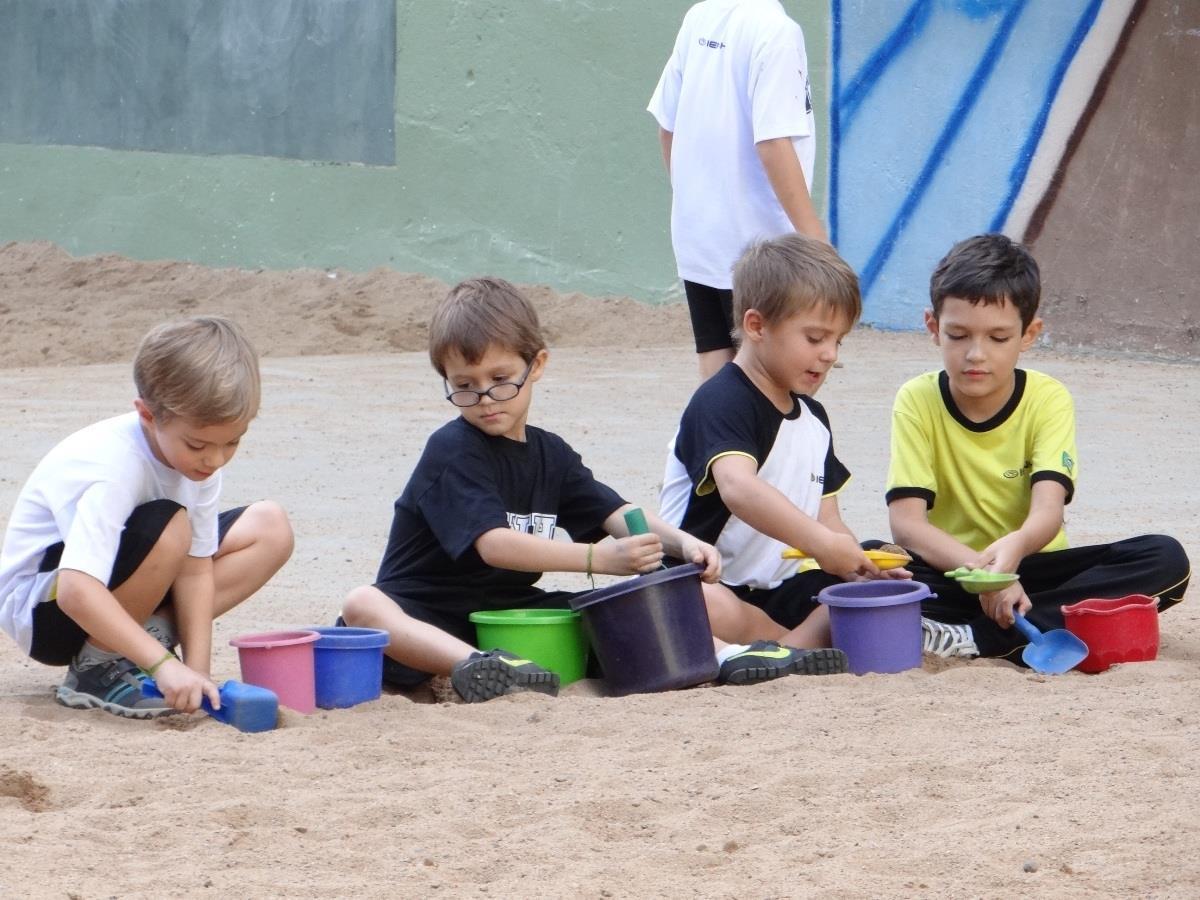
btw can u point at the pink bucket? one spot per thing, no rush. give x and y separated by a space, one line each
281 661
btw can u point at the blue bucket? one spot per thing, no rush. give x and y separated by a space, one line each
348 665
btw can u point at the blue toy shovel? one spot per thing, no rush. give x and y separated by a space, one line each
247 707
1051 653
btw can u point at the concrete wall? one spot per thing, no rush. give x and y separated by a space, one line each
514 140
1072 124
1118 233
521 144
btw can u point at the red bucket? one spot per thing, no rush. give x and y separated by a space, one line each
1116 631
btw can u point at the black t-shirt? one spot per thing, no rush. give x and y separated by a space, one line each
467 483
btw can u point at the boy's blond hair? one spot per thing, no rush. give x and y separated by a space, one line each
479 313
203 369
792 274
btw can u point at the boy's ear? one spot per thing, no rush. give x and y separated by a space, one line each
539 364
143 410
931 325
752 325
1032 333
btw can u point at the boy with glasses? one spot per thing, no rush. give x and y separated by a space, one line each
474 528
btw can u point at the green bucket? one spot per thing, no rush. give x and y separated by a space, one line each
552 638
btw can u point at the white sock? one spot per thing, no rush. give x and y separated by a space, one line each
730 650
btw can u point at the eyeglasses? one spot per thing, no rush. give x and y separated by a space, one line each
498 392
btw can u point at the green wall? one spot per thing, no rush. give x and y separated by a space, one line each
522 149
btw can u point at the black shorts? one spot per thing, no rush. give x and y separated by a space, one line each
793 601
711 310
458 624
56 636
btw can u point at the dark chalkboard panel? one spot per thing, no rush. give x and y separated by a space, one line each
307 79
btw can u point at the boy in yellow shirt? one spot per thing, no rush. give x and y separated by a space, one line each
983 463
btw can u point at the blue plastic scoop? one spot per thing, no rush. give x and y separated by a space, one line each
1053 652
247 707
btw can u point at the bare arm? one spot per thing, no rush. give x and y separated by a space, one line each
508 549
909 520
676 543
761 506
193 593
106 621
1047 504
778 157
101 615
665 139
830 515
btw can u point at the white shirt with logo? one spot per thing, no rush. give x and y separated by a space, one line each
81 494
738 75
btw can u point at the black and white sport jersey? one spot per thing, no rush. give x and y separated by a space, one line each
792 451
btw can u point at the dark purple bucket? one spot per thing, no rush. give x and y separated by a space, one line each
877 624
651 633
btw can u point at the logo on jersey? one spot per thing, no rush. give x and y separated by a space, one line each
539 524
1016 473
712 45
1068 463
817 479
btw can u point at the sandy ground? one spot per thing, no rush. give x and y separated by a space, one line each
968 779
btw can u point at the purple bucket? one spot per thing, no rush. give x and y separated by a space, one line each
877 624
651 633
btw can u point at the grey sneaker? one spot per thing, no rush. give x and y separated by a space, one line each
115 687
948 641
485 676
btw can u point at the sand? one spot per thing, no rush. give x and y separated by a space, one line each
974 779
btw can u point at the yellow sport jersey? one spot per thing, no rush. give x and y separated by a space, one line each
977 477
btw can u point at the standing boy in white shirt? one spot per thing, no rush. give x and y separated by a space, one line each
739 141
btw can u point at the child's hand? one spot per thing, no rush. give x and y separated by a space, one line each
703 554
1001 555
999 605
633 555
898 574
184 688
842 556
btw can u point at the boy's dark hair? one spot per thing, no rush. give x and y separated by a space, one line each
479 313
791 274
204 369
988 268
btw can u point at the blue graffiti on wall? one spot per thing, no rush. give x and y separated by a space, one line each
938 108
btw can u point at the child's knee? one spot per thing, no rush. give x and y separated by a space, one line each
362 605
176 538
272 528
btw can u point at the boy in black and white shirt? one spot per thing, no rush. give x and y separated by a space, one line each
752 467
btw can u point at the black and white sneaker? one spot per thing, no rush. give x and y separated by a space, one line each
948 641
768 660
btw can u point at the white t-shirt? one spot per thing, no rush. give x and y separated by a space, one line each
738 75
82 493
